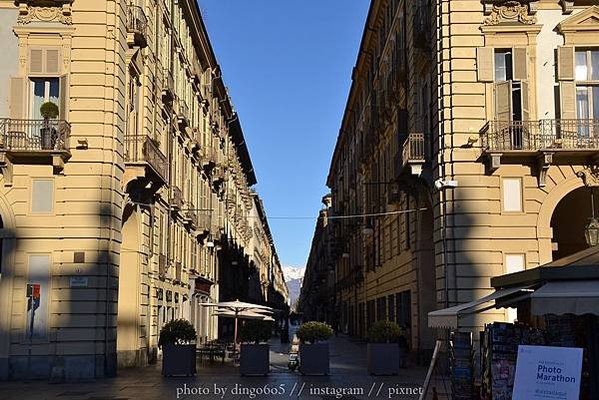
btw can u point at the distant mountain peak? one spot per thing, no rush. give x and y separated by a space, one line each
292 273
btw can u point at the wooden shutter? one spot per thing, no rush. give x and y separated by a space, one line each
565 63
63 97
503 101
44 61
36 61
568 100
520 63
52 61
525 100
485 64
17 98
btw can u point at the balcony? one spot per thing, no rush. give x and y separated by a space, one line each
413 155
182 112
162 266
176 199
209 157
168 88
30 141
191 216
543 142
204 224
137 26
144 158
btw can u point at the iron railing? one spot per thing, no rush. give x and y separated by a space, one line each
34 135
137 22
142 148
413 149
183 109
191 215
545 134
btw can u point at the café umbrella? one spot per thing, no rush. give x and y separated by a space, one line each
238 309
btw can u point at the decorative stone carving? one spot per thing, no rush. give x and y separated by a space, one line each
489 4
29 12
590 176
510 11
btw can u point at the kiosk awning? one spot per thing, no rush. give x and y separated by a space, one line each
566 297
449 317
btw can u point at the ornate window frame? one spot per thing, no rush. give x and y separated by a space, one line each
44 11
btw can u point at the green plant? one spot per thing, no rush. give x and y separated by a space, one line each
384 332
177 331
256 331
312 332
49 110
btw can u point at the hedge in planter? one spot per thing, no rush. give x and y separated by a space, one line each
177 340
255 354
383 349
314 351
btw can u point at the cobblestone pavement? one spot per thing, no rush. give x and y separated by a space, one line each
348 372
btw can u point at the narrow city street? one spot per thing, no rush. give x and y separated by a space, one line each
348 372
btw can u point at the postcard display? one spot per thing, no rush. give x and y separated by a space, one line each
499 352
461 357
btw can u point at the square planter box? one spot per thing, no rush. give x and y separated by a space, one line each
314 359
255 359
383 358
178 360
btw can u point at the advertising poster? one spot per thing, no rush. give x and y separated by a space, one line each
548 373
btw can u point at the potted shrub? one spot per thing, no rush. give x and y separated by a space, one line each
255 353
48 111
313 350
177 340
383 348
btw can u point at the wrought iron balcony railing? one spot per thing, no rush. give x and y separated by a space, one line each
545 134
413 152
33 135
182 111
143 149
137 25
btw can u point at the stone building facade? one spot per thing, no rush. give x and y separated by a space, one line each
119 213
469 142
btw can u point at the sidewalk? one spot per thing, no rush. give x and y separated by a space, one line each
348 375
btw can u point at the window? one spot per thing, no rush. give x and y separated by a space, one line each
42 196
512 194
42 90
587 90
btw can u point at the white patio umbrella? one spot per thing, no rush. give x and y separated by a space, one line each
236 308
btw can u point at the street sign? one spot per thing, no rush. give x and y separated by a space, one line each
544 372
78 282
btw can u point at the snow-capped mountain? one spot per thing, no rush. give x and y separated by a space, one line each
292 273
294 277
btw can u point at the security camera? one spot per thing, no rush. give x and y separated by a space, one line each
444 184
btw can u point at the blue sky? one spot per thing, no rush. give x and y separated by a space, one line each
288 65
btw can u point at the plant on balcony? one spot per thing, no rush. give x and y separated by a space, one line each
48 135
314 351
255 358
383 348
177 340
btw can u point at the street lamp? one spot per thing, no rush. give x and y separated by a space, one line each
591 231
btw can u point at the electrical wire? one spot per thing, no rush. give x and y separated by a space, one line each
290 217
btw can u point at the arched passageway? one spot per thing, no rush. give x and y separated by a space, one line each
568 223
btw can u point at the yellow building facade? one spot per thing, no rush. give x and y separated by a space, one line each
468 143
119 213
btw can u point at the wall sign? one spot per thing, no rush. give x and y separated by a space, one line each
547 373
78 282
